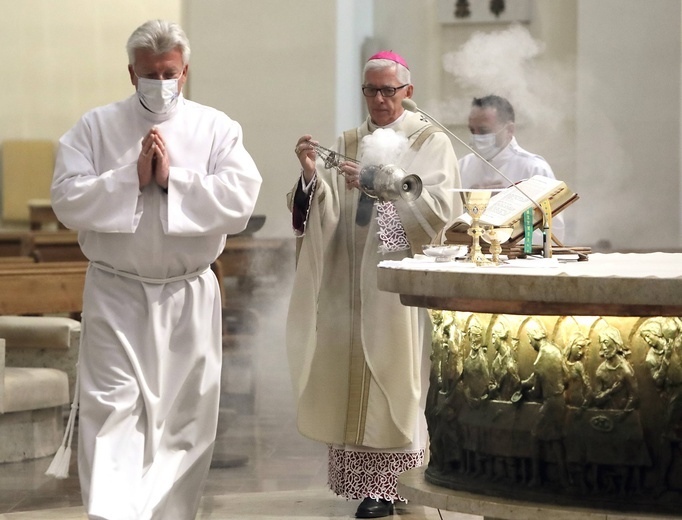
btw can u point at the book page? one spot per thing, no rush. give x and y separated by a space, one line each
500 211
556 192
510 203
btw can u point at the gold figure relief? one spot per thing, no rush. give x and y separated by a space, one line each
585 405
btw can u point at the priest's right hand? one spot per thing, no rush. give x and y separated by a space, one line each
305 151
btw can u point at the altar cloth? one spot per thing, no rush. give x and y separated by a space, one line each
627 265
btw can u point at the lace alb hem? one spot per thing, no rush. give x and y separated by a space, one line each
361 474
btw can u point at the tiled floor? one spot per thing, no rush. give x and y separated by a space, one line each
263 468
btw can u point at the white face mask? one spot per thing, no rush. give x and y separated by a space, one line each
486 145
158 95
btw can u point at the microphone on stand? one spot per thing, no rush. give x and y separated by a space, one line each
410 105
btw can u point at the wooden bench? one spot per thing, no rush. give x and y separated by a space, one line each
42 288
12 261
42 246
244 257
12 243
53 246
41 215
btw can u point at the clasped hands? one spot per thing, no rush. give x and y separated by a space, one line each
305 151
153 163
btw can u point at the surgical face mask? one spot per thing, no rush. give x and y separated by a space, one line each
158 95
486 145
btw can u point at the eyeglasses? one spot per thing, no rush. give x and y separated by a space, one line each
385 91
165 75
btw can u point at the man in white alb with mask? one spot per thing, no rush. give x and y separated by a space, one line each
152 183
492 126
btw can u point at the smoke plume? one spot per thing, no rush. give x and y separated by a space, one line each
507 63
384 146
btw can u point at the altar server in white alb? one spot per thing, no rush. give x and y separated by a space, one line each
153 183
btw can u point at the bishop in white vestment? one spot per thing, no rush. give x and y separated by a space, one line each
358 357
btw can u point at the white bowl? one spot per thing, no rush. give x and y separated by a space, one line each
444 253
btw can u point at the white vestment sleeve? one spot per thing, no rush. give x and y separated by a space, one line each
85 199
220 201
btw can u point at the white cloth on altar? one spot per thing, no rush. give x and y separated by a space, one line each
625 265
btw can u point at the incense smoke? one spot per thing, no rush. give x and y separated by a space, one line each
507 63
384 146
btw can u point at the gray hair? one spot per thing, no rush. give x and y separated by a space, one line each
159 37
402 73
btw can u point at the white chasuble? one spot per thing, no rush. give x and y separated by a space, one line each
356 354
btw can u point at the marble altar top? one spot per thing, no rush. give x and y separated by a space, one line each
628 284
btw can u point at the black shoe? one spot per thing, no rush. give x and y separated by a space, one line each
373 508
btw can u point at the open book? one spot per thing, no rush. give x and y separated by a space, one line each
506 208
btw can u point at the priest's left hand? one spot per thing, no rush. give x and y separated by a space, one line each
351 171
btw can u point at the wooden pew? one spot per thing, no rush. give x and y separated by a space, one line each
9 261
12 243
42 288
246 258
41 215
42 246
53 246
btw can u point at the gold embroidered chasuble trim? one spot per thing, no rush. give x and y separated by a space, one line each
359 373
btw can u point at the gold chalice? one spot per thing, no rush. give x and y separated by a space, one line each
496 236
475 205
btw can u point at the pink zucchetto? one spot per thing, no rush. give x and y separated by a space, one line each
389 55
